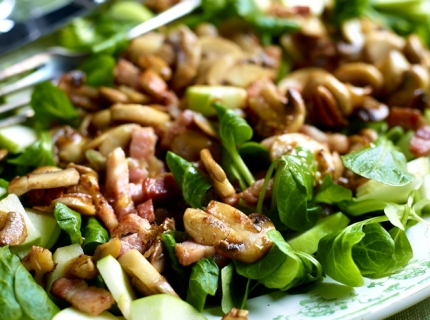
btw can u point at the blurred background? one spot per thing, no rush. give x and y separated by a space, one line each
22 21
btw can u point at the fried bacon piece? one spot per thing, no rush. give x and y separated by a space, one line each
189 252
420 142
90 300
118 184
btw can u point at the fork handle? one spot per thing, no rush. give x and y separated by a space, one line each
177 11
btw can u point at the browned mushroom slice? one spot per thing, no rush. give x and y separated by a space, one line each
188 50
298 79
39 260
379 43
62 178
284 144
392 68
148 43
360 74
80 202
221 184
147 61
103 209
231 232
143 115
275 113
13 230
242 75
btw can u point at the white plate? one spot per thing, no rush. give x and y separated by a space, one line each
329 300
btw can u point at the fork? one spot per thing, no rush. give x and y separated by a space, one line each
55 61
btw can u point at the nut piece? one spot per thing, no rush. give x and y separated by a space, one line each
232 233
13 229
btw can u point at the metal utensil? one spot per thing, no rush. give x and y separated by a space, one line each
55 61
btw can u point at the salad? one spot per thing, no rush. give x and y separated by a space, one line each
252 147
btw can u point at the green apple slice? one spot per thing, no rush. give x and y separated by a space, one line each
62 258
307 241
163 307
118 283
200 98
17 138
72 313
12 203
49 230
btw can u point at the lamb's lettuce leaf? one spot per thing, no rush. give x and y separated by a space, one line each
38 154
203 282
381 161
193 183
99 70
94 234
51 105
70 221
21 296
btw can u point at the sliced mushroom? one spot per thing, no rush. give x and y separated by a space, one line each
242 75
113 138
148 43
393 67
285 144
352 32
417 78
150 61
134 96
298 79
153 84
275 113
360 74
213 46
101 119
231 232
379 43
143 115
113 95
339 91
221 184
188 53
414 50
80 202
13 230
216 70
63 178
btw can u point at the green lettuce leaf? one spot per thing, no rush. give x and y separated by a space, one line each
70 221
21 296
